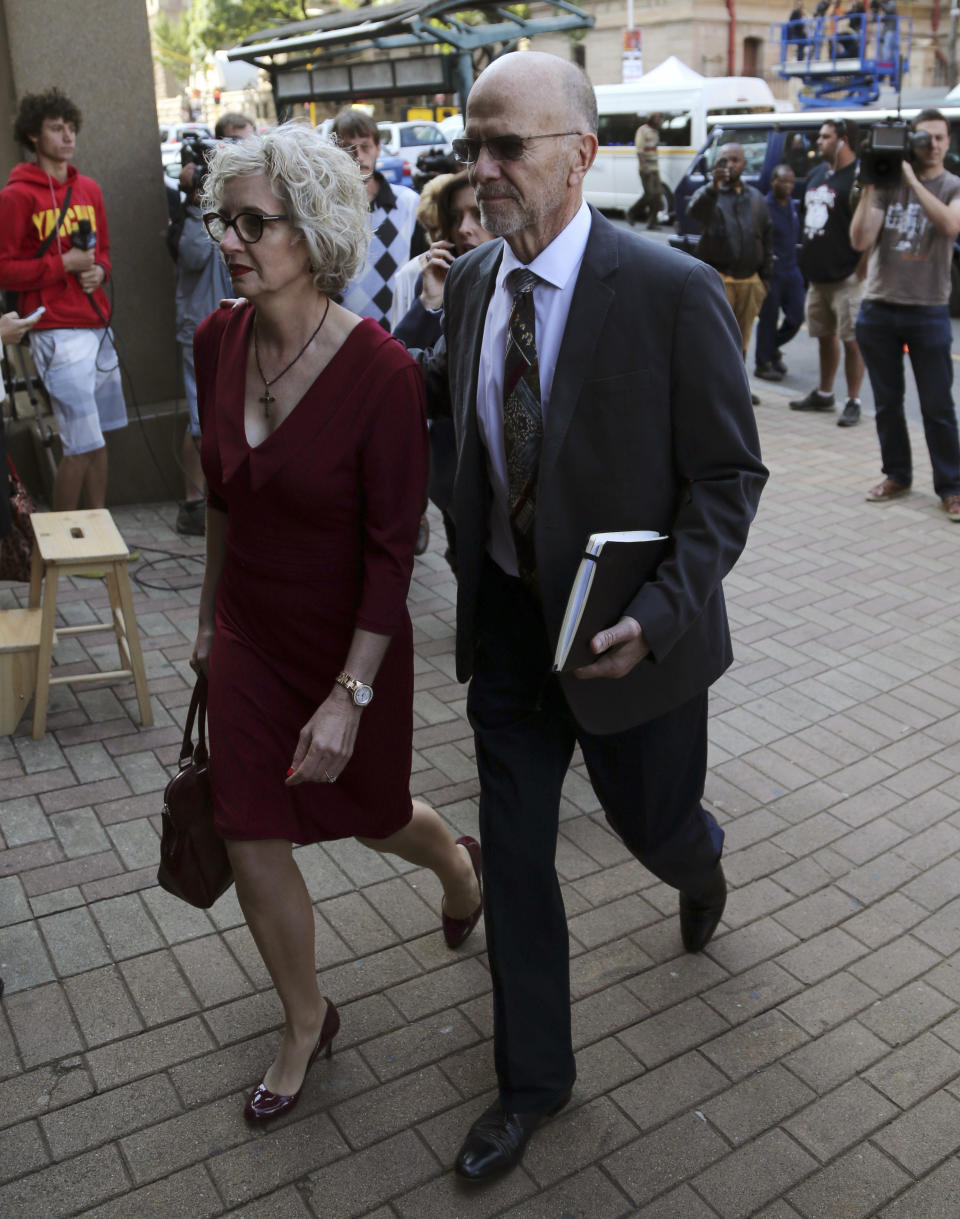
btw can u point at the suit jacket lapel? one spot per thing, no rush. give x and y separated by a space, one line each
477 294
592 298
474 296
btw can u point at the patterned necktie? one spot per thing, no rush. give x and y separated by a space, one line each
522 419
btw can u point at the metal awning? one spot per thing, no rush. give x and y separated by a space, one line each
319 59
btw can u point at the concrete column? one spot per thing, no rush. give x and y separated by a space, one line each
98 52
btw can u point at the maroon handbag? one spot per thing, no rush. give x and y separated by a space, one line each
16 547
194 864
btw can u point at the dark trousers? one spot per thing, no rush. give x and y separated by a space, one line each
786 293
648 206
649 781
882 331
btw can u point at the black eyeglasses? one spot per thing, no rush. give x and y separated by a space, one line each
500 147
248 226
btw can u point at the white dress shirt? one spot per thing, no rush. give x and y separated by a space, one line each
557 268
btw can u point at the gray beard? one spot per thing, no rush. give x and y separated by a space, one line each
503 226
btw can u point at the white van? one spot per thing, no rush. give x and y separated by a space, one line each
687 102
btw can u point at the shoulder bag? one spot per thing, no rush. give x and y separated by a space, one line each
194 864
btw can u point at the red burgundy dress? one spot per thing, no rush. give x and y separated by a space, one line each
322 520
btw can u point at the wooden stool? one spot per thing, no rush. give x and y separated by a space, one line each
75 543
19 643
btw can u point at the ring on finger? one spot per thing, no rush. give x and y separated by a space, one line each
328 777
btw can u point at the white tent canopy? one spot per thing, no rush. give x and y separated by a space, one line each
673 73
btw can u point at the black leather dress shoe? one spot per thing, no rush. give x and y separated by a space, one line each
498 1139
700 915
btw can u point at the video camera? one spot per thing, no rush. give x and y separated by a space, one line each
885 149
431 164
198 150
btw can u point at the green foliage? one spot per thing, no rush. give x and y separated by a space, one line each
213 25
216 24
171 46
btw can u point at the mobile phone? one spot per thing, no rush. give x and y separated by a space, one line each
36 315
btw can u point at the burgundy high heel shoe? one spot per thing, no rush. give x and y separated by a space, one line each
456 930
264 1104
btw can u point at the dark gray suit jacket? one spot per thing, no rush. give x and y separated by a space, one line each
649 426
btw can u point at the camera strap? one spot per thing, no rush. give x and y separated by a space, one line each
48 240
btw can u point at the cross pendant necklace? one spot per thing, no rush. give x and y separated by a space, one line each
266 397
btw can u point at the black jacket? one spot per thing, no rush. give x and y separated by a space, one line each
636 437
737 236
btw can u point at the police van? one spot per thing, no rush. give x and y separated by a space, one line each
688 103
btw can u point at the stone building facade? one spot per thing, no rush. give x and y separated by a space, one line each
699 33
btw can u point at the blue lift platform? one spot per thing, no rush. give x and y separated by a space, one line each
843 60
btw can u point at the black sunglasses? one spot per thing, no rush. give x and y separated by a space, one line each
248 226
500 147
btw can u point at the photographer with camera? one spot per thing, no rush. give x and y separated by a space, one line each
831 267
202 281
736 237
55 254
909 228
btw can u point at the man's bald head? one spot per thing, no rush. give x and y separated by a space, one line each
532 120
565 87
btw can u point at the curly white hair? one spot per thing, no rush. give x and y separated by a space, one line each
322 189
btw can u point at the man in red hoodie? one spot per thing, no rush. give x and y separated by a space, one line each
47 212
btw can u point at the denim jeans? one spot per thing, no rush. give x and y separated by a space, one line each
882 330
786 293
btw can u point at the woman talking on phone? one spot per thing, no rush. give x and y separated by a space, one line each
314 452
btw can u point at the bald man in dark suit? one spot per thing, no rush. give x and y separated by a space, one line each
596 383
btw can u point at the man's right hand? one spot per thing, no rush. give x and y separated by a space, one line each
187 174
76 261
440 258
721 176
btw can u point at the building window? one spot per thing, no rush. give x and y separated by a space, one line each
752 57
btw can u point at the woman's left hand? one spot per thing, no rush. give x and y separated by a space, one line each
326 741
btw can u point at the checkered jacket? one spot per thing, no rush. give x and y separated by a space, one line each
394 218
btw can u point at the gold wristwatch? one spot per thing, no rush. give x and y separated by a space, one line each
361 694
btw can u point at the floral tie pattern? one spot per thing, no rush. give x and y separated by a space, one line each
522 419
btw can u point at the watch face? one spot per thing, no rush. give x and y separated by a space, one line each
362 695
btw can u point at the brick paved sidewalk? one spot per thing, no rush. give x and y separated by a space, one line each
807 1064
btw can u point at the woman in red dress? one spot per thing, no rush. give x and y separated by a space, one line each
314 451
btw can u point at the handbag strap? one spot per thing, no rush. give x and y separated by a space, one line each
198 713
